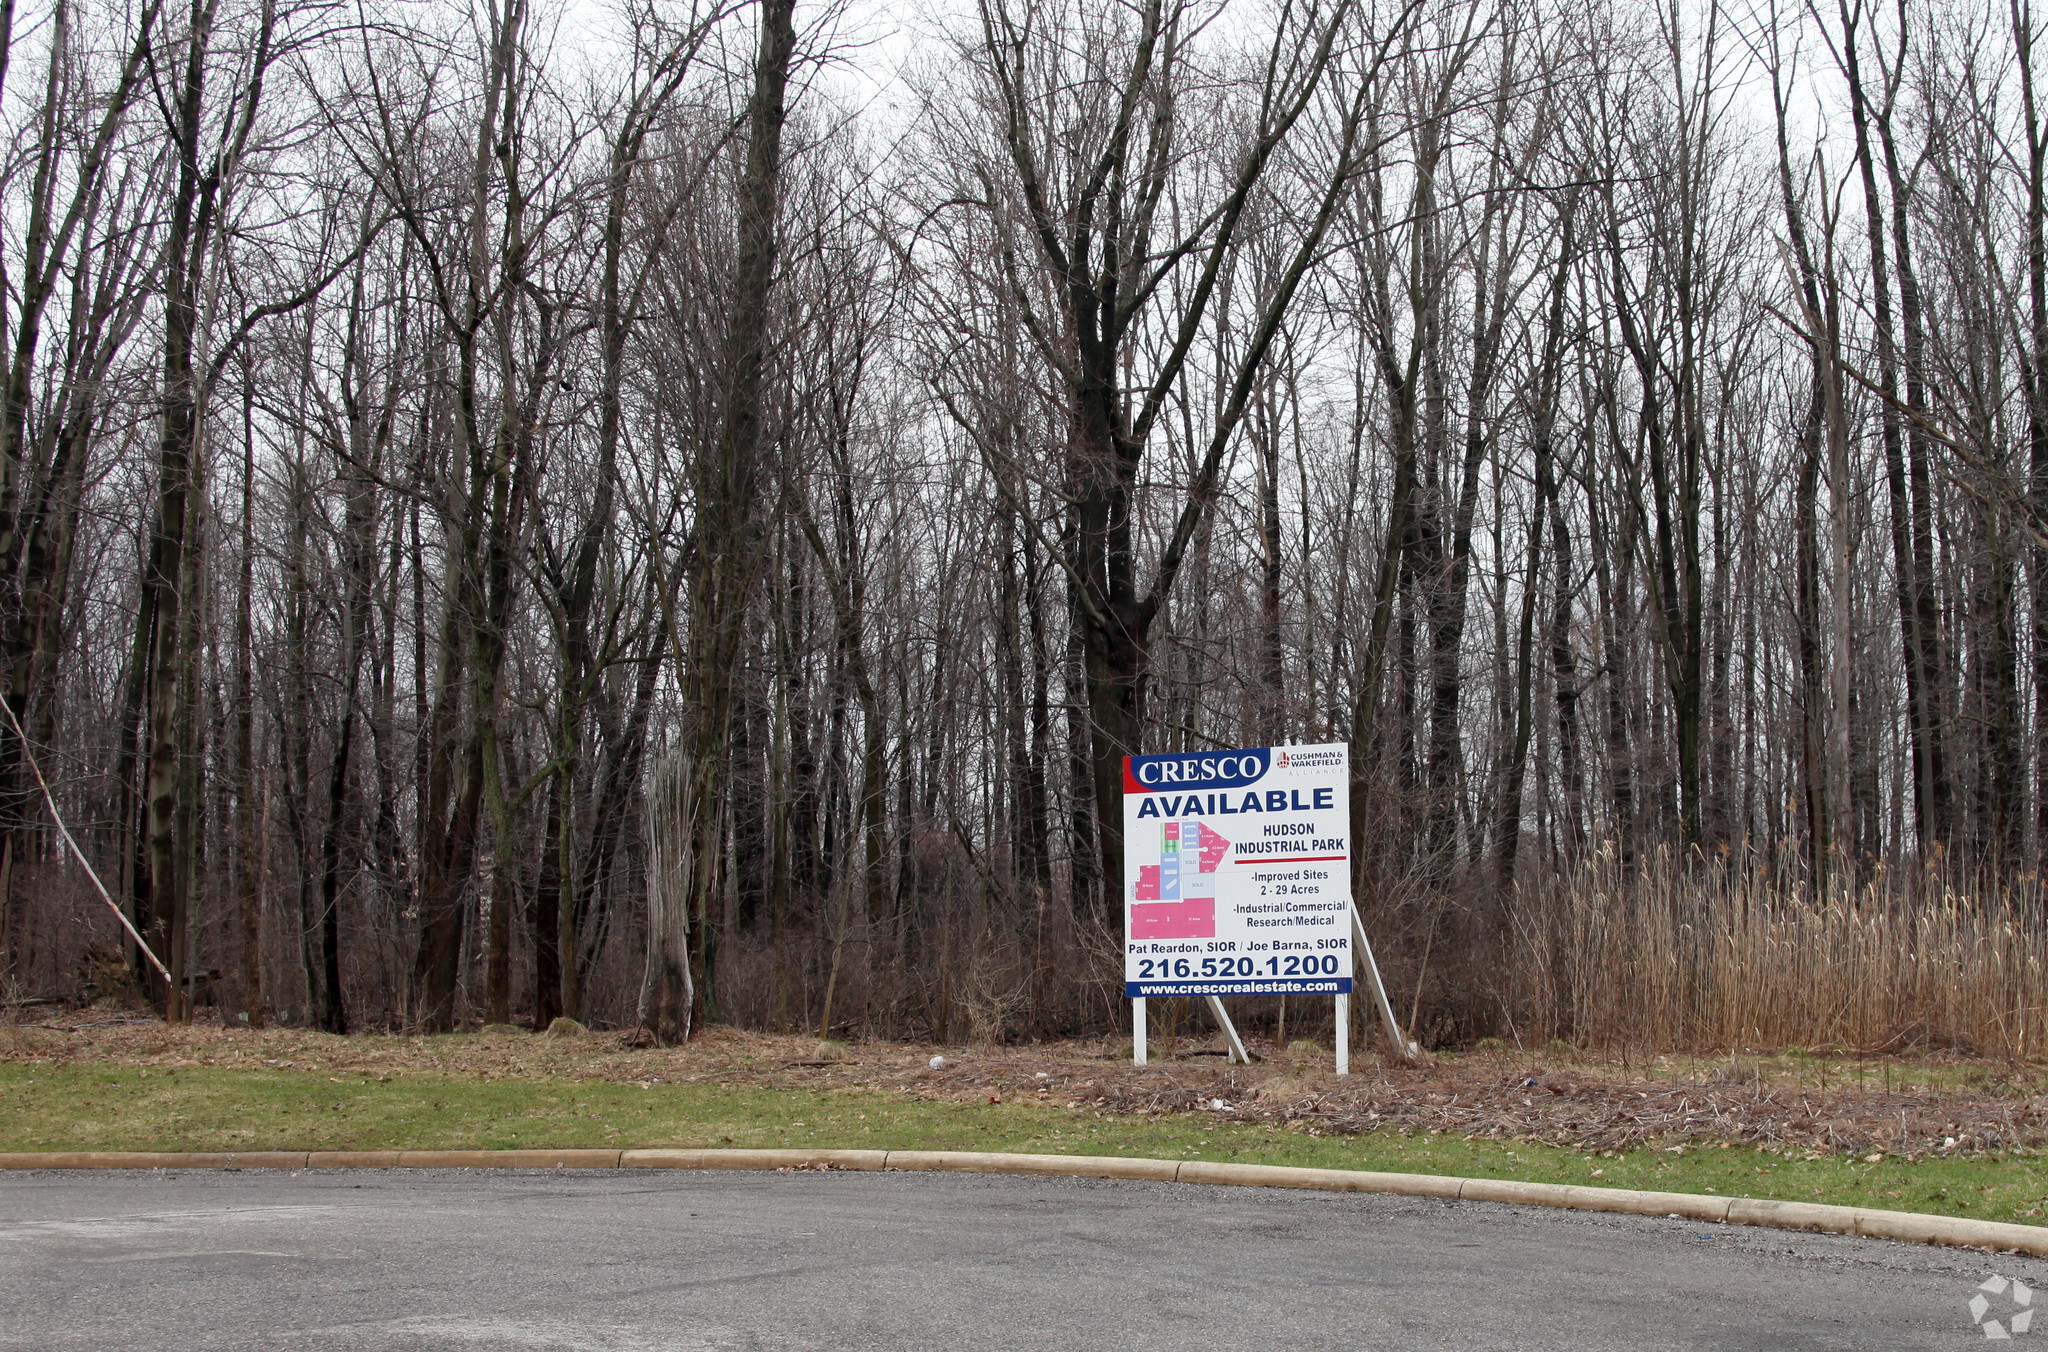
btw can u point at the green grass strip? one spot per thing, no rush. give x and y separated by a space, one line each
75 1107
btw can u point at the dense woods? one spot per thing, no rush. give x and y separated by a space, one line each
673 511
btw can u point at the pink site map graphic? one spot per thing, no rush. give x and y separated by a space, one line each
1176 897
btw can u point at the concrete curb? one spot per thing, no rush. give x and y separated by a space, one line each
1912 1227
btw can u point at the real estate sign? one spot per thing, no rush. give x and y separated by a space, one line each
1237 872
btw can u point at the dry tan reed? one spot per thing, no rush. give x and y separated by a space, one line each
1695 954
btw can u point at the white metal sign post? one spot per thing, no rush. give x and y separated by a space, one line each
1237 879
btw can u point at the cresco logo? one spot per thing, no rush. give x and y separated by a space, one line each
1195 770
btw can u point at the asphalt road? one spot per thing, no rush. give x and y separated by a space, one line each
717 1262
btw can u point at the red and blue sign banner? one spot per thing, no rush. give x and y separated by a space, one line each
1237 872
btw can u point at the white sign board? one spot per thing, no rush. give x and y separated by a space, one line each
1237 872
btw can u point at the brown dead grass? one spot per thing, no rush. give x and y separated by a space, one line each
1951 1107
1683 952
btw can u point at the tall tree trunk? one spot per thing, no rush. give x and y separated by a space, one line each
248 854
1543 425
724 567
40 474
1906 561
2034 370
